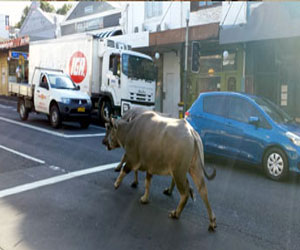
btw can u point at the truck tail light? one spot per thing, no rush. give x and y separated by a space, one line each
187 114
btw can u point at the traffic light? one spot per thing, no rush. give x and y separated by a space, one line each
195 57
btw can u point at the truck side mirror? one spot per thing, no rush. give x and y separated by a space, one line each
115 66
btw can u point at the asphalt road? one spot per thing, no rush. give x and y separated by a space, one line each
47 202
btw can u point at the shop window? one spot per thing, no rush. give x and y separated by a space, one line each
196 5
208 84
210 63
153 9
229 63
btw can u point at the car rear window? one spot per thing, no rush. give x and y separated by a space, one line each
216 105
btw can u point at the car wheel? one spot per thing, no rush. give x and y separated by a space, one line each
23 111
55 117
105 111
275 164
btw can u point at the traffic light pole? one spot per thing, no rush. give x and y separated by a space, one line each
186 64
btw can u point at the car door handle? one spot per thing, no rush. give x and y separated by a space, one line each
38 91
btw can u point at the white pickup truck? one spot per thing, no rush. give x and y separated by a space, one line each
53 93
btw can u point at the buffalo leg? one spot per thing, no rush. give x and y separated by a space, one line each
198 179
123 160
135 182
145 198
121 176
169 190
184 190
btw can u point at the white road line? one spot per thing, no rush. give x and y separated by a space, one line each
53 180
6 107
49 131
21 154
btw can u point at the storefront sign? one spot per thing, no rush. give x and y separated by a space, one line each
78 67
18 55
18 42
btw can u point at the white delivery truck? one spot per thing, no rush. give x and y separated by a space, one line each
115 77
53 93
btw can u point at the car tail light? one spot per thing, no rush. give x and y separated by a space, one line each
187 114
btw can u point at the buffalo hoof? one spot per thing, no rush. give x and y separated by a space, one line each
167 192
134 184
144 200
173 215
117 185
118 169
212 226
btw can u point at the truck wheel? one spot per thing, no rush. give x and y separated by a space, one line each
55 117
275 164
23 111
85 124
105 111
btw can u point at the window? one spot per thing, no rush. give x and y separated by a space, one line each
114 62
241 110
43 83
216 105
153 9
229 63
196 5
210 63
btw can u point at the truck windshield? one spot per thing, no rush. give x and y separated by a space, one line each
138 67
61 82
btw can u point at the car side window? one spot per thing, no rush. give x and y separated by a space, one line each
44 82
216 105
241 110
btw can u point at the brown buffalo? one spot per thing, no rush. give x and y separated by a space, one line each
162 146
128 116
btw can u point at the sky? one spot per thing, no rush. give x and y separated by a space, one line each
14 9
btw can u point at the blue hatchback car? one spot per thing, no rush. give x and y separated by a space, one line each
247 128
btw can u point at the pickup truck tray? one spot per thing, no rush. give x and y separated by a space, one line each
20 89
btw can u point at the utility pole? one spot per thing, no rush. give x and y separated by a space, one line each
187 18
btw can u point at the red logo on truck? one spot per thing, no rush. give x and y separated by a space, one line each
78 67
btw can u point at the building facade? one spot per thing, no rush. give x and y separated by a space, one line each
166 24
92 17
40 25
4 27
270 35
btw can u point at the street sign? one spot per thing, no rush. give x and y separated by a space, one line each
17 54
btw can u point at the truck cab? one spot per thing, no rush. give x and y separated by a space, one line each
128 79
58 97
53 93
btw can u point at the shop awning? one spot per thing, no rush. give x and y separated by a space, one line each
199 32
109 33
14 43
244 21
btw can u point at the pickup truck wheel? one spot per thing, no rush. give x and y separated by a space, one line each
275 164
105 111
84 124
23 111
55 117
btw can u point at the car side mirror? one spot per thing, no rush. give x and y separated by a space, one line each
253 120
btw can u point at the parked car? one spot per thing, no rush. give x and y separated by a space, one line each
247 128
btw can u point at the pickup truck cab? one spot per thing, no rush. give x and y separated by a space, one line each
53 93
